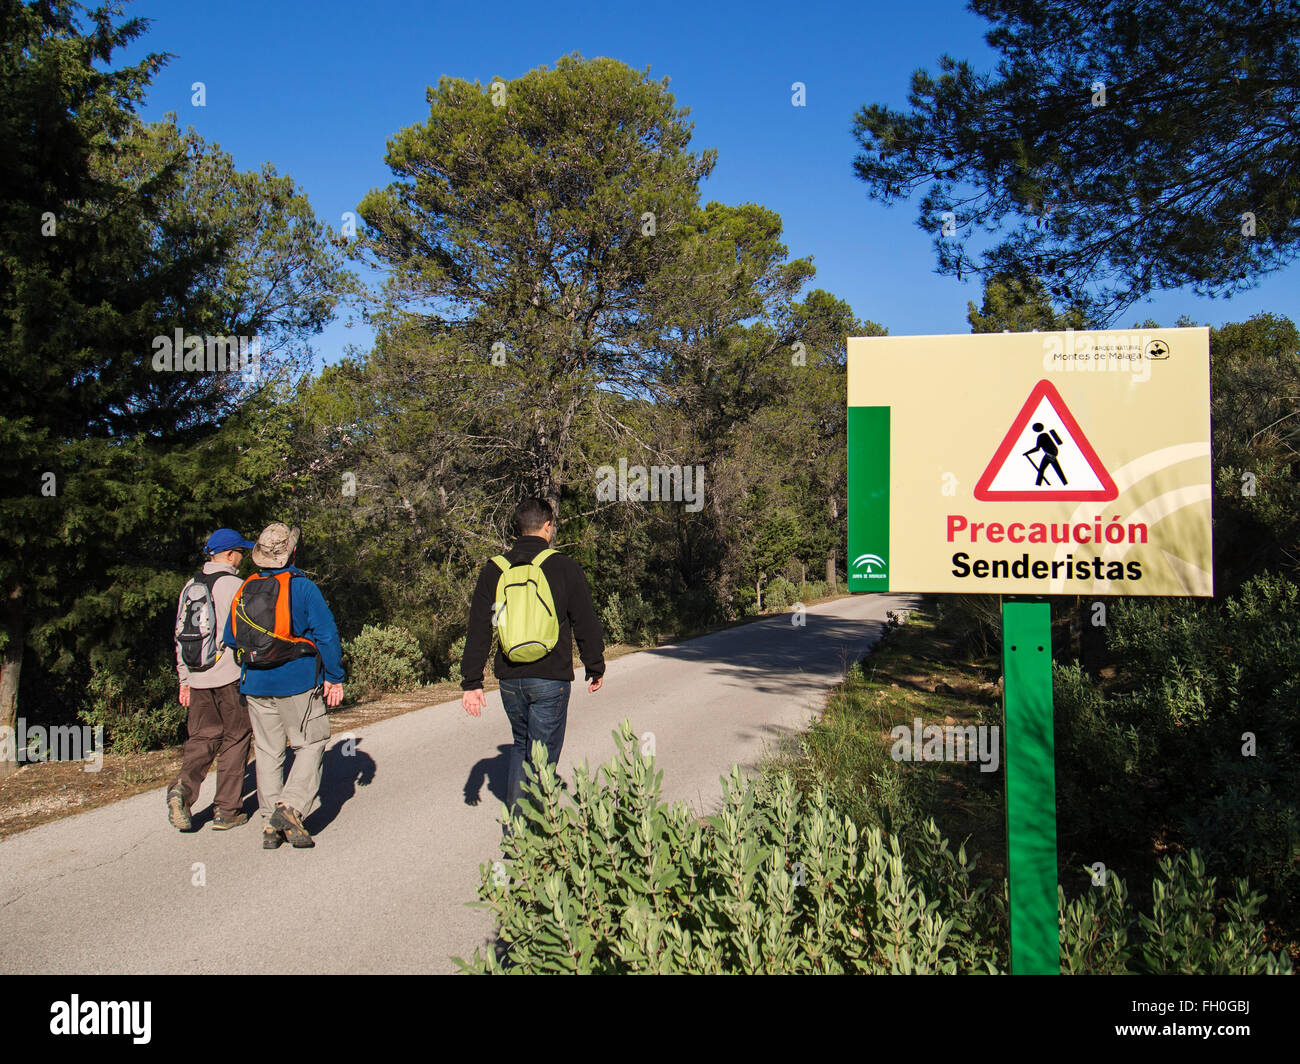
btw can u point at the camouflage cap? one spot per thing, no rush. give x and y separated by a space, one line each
274 545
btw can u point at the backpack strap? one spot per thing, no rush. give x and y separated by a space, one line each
542 555
288 605
500 562
208 580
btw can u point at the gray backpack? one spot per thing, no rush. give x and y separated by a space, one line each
196 623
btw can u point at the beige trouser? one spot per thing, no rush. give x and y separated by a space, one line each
301 720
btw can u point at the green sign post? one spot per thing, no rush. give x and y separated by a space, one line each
1031 786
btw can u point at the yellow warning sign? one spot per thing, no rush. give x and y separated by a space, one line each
1031 463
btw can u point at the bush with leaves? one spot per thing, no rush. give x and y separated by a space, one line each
612 880
1103 748
457 651
137 708
629 619
779 594
975 621
611 620
1189 931
383 658
454 653
814 590
617 881
1199 736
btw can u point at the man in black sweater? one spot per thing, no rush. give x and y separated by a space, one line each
535 694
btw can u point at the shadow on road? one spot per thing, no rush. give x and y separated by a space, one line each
341 775
494 771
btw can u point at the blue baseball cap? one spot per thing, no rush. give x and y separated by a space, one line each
226 539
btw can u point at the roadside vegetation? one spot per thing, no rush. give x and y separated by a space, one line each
838 858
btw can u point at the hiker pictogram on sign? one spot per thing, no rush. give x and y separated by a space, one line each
1047 443
1045 455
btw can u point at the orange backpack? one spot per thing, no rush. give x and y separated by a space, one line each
262 623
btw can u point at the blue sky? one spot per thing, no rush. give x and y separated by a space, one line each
317 88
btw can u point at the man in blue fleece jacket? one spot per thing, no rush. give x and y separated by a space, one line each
288 701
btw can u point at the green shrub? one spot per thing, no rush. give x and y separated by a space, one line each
457 651
611 620
1186 935
454 653
975 621
779 594
629 620
1246 647
744 602
609 879
1167 748
617 881
814 590
383 658
1094 930
641 620
138 709
1100 757
698 607
1189 931
1249 826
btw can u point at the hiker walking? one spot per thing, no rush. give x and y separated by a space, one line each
1048 445
539 601
217 723
286 641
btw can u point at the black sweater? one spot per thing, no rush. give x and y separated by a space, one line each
577 617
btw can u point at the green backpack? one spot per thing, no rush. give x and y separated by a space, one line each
524 611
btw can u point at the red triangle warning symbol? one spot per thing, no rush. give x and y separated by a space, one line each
1045 456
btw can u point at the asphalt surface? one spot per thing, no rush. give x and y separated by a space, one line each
405 821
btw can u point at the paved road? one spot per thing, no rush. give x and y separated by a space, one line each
404 822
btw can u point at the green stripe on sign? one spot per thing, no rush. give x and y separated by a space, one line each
868 560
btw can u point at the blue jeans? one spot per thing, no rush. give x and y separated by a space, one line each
538 710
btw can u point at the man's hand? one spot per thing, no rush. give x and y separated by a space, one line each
594 685
474 701
333 694
185 695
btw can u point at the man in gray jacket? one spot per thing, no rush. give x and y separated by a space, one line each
218 722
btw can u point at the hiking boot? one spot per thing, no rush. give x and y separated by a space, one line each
272 839
288 820
222 821
177 812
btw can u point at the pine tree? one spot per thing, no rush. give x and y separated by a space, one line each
114 236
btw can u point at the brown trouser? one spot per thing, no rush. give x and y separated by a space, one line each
219 727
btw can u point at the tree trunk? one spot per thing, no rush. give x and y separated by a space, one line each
833 512
10 666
